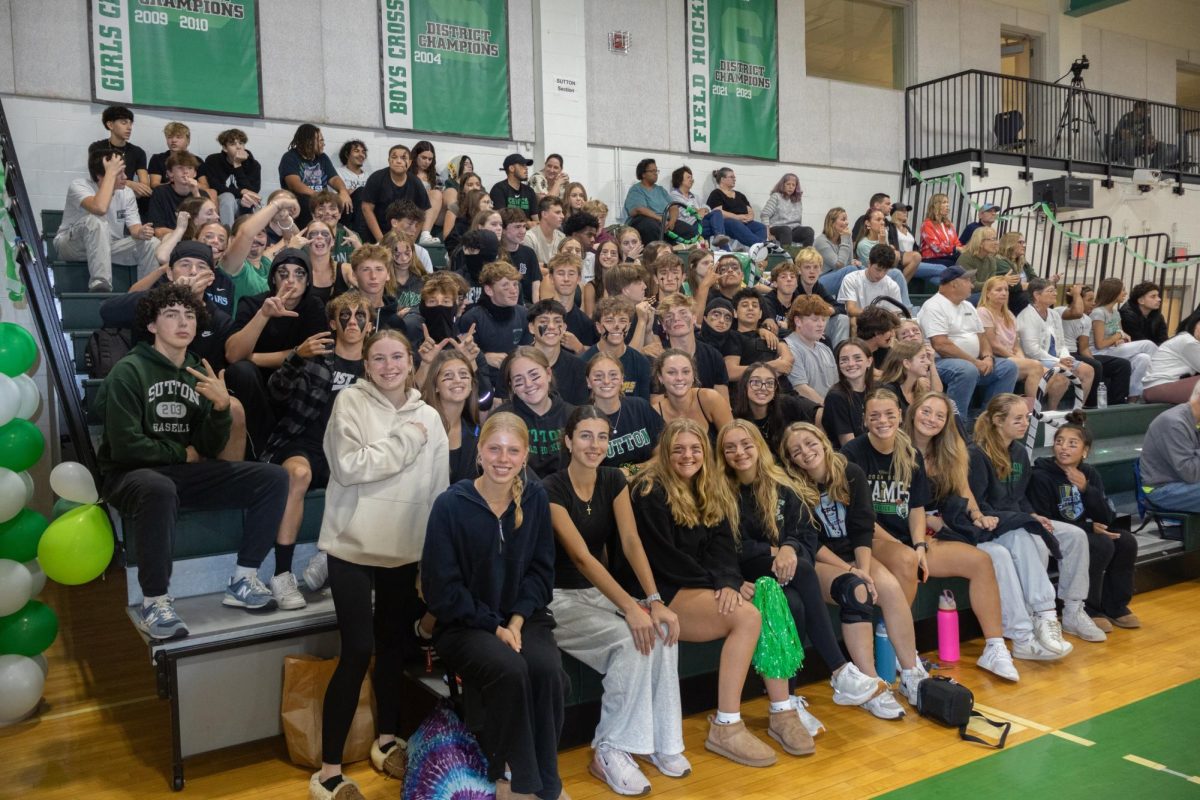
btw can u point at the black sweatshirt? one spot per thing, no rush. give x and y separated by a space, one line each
846 527
477 570
699 557
545 432
1005 498
1053 496
796 526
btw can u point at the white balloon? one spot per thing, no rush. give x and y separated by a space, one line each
10 399
38 575
21 684
16 586
12 494
71 480
27 479
31 397
42 663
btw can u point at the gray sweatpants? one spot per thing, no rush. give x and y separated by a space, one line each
640 711
91 239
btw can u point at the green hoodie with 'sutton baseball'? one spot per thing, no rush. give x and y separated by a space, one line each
151 412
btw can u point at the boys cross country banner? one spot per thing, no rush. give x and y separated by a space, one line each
733 78
445 66
196 55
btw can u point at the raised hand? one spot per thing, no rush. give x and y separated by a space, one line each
318 344
211 386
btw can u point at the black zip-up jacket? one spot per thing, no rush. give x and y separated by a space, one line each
1005 498
1053 496
796 526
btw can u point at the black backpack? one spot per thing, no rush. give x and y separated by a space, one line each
105 348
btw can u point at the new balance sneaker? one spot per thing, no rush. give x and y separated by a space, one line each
286 593
995 658
249 593
159 620
1077 623
810 723
884 705
1032 650
317 571
618 769
673 766
1049 633
428 238
851 687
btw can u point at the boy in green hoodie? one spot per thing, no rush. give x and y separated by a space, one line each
165 422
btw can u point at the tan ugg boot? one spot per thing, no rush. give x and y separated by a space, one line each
786 729
738 744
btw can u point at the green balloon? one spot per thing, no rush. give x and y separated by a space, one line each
29 631
21 445
18 350
77 546
62 505
19 536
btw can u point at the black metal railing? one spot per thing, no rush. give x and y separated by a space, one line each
35 273
989 116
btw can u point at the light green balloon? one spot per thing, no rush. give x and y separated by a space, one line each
77 546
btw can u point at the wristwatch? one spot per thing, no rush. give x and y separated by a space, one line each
925 545
649 600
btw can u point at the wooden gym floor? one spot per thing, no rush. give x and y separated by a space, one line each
103 732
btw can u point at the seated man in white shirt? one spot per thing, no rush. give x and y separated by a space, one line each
862 288
1040 329
964 357
101 223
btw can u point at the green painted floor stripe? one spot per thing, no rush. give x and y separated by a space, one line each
1161 729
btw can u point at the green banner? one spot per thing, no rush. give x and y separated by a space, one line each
195 55
445 66
733 76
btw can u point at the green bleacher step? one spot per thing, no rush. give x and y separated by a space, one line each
71 277
51 219
81 310
1113 458
79 340
91 386
437 254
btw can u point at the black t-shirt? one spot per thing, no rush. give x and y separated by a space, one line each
345 373
738 204
462 459
878 357
776 309
636 368
409 294
526 262
792 408
891 499
158 166
523 197
843 413
282 333
594 519
570 378
164 204
135 157
382 192
636 427
582 326
710 366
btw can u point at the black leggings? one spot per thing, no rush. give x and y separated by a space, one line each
807 605
383 632
1110 574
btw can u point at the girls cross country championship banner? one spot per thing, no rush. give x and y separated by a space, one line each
733 78
193 55
445 66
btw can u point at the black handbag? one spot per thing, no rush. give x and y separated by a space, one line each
947 701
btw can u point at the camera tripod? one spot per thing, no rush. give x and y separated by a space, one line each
1077 96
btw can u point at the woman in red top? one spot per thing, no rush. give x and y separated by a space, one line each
939 240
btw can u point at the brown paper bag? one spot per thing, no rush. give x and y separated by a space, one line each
305 679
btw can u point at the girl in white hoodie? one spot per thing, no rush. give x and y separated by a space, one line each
388 460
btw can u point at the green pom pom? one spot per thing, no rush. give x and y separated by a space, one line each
779 653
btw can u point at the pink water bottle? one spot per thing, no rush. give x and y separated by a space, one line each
947 624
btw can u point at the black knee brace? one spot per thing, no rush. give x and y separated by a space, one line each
842 590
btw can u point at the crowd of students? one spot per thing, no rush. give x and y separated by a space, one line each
595 441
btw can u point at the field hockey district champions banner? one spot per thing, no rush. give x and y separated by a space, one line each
196 55
733 78
445 66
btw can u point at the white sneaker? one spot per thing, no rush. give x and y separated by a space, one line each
673 766
286 593
1077 623
618 769
852 688
910 679
884 705
810 723
1049 633
995 658
428 238
317 571
1032 650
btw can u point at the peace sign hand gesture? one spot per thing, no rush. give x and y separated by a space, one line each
211 386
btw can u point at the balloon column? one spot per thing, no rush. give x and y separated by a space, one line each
73 549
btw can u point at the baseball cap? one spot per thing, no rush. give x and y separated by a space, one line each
955 272
989 207
193 249
515 158
901 207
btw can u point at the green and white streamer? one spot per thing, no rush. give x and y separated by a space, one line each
8 244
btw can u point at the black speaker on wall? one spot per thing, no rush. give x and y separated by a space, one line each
1064 192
